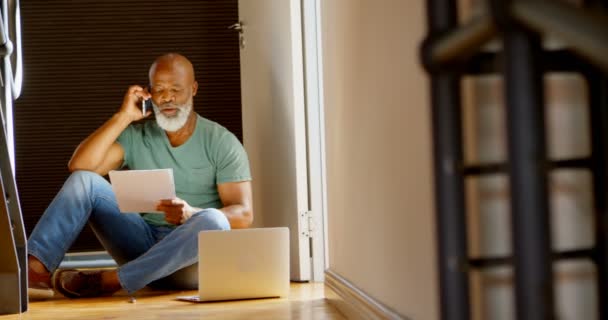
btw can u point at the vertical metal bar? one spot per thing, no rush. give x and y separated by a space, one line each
598 102
449 193
12 203
449 179
10 199
528 176
10 292
13 261
597 83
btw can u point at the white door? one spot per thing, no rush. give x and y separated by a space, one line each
274 121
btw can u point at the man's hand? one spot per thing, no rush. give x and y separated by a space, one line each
176 210
131 104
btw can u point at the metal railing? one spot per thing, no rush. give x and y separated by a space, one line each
13 244
10 50
451 51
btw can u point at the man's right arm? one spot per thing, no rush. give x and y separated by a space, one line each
100 152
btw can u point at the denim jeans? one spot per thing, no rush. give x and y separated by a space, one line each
146 254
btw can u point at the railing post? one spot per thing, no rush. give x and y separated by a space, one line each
13 260
449 179
13 242
528 176
597 84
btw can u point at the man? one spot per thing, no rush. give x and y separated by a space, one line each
212 182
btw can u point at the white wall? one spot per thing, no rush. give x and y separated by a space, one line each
379 163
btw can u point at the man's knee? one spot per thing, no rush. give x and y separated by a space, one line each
83 176
211 219
83 184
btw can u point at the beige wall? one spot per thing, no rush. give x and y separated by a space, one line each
380 209
379 164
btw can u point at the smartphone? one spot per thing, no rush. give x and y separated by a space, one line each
145 106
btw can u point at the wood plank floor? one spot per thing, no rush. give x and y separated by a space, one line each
306 301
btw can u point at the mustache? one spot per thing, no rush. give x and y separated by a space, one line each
170 106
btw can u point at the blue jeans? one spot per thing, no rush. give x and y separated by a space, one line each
146 254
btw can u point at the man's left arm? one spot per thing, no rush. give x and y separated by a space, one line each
237 203
233 186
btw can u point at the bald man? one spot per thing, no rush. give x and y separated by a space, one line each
212 182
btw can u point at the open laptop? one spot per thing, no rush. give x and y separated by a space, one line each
242 264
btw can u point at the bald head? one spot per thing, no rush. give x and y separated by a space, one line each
172 78
172 86
175 63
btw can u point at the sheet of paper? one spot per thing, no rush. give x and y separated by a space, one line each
140 190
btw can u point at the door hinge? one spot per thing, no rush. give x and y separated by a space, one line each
307 223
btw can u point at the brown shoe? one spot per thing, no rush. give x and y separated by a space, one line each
79 284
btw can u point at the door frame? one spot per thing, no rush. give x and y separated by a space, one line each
315 135
290 90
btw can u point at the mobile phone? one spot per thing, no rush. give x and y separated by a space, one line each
145 106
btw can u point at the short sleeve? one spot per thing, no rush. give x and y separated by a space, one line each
125 139
231 160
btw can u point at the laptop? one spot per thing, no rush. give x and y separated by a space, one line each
242 264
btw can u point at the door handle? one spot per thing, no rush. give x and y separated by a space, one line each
240 27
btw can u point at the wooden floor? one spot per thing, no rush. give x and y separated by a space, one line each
306 301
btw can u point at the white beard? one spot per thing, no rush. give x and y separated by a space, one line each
175 122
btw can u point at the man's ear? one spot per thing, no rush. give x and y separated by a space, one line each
194 88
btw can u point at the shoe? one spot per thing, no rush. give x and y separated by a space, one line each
78 284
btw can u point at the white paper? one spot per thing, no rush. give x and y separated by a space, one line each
140 190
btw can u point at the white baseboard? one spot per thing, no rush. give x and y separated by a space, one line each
353 302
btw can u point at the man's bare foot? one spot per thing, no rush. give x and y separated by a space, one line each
37 274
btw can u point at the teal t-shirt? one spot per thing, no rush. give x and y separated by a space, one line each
211 156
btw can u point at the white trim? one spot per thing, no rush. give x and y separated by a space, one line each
315 134
353 302
322 130
300 143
